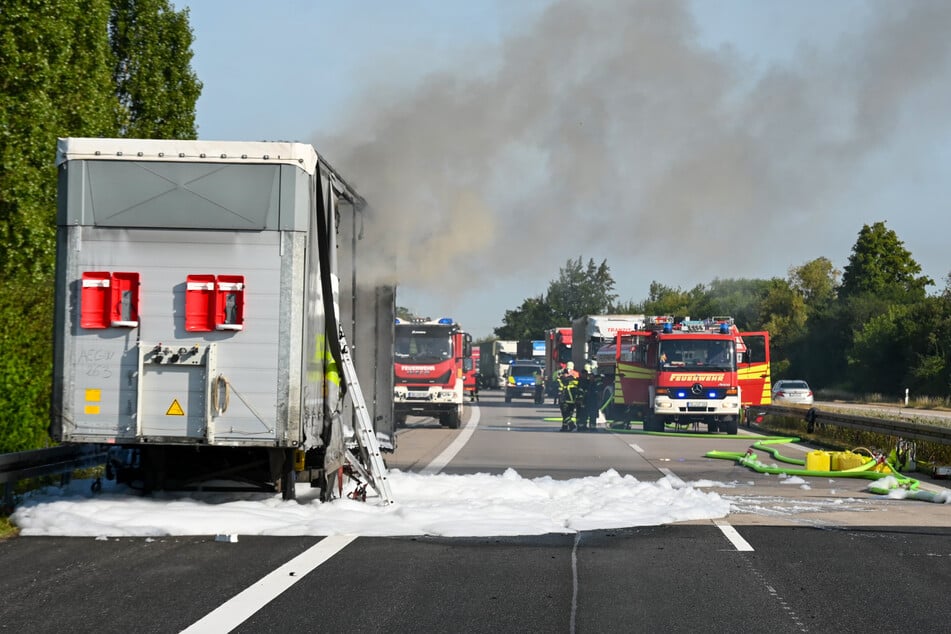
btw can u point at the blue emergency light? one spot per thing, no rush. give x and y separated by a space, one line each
446 320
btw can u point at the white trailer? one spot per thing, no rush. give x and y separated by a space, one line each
590 332
494 359
197 311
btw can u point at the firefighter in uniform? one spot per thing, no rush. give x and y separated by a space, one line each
568 389
589 386
582 397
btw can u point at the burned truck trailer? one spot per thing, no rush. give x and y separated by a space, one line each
197 319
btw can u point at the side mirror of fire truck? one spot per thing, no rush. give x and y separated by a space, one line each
467 345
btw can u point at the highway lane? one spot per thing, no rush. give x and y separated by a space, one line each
822 556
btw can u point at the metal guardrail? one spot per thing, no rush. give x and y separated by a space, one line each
902 429
60 461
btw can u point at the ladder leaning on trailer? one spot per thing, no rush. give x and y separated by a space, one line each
371 468
375 470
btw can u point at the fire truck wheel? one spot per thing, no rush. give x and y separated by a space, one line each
653 423
399 420
454 418
730 426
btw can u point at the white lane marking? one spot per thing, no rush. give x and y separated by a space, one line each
636 447
455 446
731 534
574 584
675 479
243 605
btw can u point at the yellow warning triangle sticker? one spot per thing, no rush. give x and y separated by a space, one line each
175 409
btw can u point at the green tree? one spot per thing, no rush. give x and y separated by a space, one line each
156 88
56 80
666 300
883 351
26 368
737 298
783 314
528 321
580 290
930 372
880 285
801 331
816 281
880 266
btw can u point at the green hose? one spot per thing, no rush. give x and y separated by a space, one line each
750 460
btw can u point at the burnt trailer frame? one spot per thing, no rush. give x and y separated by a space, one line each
197 310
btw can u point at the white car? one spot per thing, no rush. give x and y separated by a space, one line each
792 391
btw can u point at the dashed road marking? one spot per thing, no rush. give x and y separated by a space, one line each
735 538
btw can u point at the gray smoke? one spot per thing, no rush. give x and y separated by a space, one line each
607 131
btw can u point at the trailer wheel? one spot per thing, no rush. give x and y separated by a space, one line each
288 481
289 485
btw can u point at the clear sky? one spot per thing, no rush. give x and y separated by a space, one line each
680 141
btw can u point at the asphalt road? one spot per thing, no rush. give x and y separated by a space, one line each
827 557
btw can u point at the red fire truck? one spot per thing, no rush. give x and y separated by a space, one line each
689 372
470 366
428 370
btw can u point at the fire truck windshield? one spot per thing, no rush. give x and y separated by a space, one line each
697 354
421 346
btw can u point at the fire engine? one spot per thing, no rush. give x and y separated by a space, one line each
470 366
428 370
695 371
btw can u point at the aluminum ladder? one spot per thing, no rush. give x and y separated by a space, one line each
365 435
